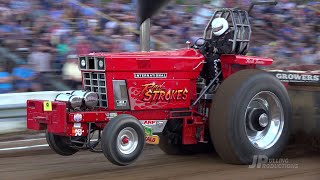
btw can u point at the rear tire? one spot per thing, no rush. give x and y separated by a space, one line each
123 139
240 123
60 144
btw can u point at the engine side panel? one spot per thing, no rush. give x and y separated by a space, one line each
159 94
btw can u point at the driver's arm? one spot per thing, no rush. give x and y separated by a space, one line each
226 46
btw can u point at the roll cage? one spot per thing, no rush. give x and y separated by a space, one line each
238 21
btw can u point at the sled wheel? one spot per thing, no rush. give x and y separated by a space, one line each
60 144
123 139
250 116
171 141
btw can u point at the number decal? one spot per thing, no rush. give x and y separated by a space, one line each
77 131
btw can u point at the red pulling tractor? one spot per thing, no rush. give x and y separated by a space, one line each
130 99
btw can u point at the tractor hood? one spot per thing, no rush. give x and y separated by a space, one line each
177 60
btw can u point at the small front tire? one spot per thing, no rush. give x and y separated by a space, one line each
123 139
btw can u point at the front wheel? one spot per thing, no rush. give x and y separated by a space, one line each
123 140
250 117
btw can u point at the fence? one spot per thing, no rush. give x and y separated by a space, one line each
13 109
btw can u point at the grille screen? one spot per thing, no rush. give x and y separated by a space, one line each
96 82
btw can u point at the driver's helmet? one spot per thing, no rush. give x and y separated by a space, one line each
219 26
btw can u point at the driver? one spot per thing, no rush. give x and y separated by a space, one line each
220 43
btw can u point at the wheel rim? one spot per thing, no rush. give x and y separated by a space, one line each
264 120
127 140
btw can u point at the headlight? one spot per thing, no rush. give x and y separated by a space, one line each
72 101
90 98
100 63
83 63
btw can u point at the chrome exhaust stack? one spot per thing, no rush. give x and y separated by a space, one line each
145 35
146 9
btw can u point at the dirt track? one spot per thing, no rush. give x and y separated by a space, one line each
41 163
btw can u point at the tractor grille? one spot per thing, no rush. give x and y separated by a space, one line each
96 82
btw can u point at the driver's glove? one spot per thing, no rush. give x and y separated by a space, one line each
215 50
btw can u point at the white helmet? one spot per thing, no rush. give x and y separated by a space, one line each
219 26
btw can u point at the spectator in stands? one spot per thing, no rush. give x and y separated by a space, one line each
71 72
82 45
25 79
5 81
129 43
62 50
40 59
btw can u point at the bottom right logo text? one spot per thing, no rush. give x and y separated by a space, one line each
262 161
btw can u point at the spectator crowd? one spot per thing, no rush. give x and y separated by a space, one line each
49 34
296 31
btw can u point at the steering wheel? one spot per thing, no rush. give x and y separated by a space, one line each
202 44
